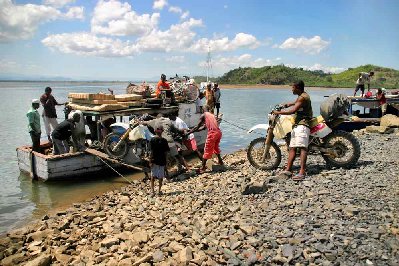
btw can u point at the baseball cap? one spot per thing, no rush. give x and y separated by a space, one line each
35 101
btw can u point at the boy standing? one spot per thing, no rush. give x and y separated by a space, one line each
159 148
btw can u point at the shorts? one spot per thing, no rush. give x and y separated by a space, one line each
300 137
217 105
172 149
212 144
361 87
191 144
158 171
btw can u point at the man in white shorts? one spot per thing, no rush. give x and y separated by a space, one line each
302 108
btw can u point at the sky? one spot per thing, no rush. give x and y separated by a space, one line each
141 39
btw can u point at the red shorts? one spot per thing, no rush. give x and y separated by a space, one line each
212 143
191 144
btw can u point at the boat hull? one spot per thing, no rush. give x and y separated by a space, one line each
49 167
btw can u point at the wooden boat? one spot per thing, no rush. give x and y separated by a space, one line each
50 167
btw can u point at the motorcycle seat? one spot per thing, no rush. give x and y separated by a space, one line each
315 121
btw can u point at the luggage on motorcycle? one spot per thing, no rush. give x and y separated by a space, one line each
334 106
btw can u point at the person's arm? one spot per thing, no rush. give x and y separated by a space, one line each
298 104
201 123
286 105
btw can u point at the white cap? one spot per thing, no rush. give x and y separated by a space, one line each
35 101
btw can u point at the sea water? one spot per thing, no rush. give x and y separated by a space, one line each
22 200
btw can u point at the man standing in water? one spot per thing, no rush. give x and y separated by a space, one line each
34 125
49 113
208 120
216 93
302 108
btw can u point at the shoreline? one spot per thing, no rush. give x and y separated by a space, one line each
271 87
338 215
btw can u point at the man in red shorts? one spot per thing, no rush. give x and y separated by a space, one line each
208 120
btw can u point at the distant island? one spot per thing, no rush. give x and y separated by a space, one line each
283 75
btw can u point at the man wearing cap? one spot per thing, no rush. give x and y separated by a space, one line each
62 133
34 125
49 113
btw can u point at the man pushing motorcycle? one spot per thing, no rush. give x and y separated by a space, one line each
302 108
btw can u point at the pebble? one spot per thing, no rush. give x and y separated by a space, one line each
235 217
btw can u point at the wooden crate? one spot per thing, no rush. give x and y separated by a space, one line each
128 97
91 96
131 104
95 102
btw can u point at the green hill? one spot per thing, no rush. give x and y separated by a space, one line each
283 75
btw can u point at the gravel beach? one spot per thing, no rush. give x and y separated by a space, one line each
236 217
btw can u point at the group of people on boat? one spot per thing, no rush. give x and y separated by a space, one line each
57 133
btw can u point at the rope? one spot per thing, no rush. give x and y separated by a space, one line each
226 251
237 126
113 169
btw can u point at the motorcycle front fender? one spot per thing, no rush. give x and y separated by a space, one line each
258 126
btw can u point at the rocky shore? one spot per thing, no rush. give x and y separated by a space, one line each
236 217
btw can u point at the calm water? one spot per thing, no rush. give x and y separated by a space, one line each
22 200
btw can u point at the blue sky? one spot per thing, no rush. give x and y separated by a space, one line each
140 39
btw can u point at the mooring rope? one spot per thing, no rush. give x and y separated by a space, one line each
240 127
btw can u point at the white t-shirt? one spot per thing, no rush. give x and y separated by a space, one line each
180 124
364 77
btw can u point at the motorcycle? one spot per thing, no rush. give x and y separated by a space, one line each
338 148
124 136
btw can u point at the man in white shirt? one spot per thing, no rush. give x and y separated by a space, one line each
199 104
190 141
362 79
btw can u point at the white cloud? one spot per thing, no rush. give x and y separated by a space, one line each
326 69
310 46
118 19
241 40
8 66
58 3
88 44
177 38
175 59
178 10
175 9
159 4
22 21
185 15
222 64
76 12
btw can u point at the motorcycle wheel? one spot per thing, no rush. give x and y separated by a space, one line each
255 152
110 142
346 146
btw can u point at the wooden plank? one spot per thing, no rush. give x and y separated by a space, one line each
108 158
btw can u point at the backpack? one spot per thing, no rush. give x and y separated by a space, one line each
334 106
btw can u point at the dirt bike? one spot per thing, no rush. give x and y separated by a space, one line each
128 136
338 148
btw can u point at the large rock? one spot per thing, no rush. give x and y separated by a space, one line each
185 255
253 188
379 129
43 260
390 121
108 242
